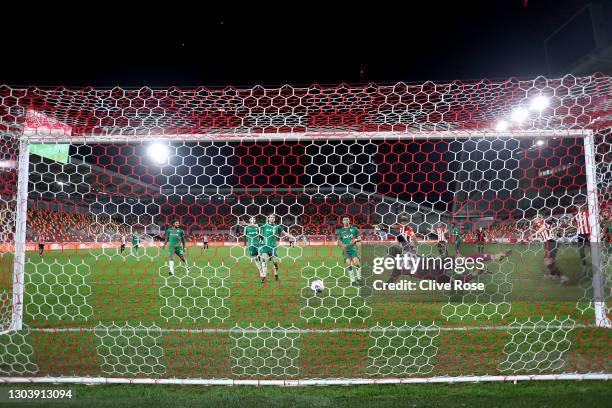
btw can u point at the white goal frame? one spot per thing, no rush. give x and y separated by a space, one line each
26 139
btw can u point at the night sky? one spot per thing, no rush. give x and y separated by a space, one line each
179 44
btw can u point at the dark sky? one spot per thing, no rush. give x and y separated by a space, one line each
177 43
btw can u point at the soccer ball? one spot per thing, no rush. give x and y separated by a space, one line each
317 286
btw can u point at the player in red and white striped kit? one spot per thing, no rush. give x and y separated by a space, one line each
403 233
442 235
580 220
544 233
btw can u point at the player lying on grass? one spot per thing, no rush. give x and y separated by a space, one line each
427 270
348 237
175 239
406 238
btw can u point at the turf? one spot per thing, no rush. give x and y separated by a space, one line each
97 312
541 394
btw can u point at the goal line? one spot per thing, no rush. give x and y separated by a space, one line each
293 330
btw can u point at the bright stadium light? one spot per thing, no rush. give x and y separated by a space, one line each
502 125
60 183
539 103
519 115
539 142
158 153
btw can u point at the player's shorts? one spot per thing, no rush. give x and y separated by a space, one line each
271 251
351 253
122 246
551 247
178 250
253 251
457 239
41 247
442 244
584 238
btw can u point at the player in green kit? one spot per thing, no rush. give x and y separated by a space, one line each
135 243
270 233
175 237
252 240
348 237
458 240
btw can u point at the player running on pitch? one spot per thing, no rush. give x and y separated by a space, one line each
175 237
348 237
204 241
252 240
135 243
122 248
270 233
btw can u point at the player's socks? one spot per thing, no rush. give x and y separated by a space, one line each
358 273
264 270
185 264
171 266
351 274
258 266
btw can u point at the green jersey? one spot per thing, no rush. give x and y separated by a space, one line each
252 237
135 239
347 235
454 230
175 237
270 233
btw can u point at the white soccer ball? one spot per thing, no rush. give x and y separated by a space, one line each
317 286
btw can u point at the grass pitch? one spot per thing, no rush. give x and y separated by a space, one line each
101 313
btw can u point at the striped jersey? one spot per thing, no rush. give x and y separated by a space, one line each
543 231
406 233
441 233
581 221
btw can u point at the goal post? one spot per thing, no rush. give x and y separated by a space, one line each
20 235
97 296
